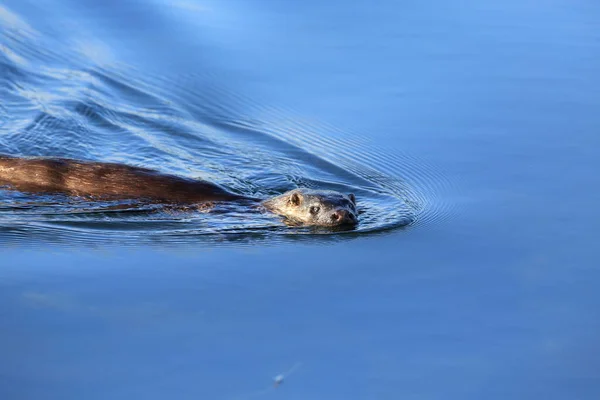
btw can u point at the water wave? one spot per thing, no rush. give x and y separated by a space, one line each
64 104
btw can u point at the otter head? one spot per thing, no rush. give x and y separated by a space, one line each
315 207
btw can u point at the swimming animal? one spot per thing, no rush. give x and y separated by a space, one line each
120 181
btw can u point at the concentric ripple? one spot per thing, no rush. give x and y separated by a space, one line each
67 105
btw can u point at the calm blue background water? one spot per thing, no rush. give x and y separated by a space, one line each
475 124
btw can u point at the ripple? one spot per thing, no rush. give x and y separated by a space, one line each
63 105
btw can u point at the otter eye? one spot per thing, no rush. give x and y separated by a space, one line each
315 210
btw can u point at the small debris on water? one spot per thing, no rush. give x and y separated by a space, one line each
278 380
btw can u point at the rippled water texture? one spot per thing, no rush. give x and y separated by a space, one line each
468 130
65 93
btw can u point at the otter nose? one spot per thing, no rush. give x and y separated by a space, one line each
343 216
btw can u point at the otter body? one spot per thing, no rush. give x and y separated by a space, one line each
119 181
104 180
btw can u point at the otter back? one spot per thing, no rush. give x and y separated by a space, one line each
104 180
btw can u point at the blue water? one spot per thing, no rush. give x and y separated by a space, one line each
467 130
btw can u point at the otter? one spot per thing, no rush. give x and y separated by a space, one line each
315 207
121 181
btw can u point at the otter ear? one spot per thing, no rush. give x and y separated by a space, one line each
296 198
352 198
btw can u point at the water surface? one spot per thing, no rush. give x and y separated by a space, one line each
468 133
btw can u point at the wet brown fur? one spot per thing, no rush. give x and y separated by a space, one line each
105 180
119 181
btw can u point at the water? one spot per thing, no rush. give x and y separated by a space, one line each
467 132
